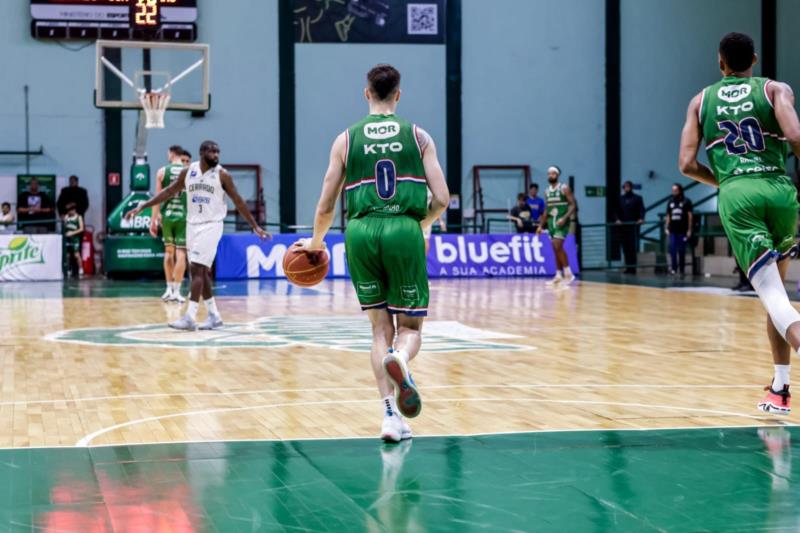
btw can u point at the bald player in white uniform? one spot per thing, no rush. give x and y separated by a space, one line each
206 184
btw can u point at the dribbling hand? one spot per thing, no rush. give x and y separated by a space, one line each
305 245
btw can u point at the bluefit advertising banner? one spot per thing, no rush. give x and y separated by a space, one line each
242 256
483 256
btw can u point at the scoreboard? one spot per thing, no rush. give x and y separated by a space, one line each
161 20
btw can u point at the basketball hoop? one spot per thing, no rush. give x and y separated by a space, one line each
155 106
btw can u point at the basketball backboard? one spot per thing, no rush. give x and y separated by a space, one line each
126 69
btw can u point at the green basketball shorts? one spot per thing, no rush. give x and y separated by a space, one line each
759 215
173 232
386 258
555 231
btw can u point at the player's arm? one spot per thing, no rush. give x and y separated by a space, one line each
691 137
156 218
435 176
241 206
331 189
572 206
783 100
667 220
174 188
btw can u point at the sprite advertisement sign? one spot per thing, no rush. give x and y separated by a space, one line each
28 258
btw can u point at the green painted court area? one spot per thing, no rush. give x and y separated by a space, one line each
691 480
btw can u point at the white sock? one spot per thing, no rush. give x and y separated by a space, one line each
567 272
558 274
169 285
781 377
211 306
192 309
390 406
176 287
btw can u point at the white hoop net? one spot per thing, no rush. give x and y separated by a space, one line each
155 106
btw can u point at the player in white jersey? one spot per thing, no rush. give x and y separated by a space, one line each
206 183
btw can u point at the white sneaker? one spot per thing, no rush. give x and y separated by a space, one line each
555 281
392 428
211 322
569 280
167 296
176 297
185 324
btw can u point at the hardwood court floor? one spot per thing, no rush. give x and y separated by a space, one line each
500 355
114 423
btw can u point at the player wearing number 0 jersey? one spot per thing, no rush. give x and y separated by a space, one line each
385 165
745 123
206 184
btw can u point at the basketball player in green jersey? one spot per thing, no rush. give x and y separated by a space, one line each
556 218
172 216
385 166
745 123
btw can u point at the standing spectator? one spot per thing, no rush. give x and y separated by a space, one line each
73 194
631 213
33 206
521 215
536 204
679 228
6 218
73 235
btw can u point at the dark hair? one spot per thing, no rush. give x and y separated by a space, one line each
737 50
521 196
73 177
176 149
383 81
5 204
533 185
207 145
187 153
629 182
679 186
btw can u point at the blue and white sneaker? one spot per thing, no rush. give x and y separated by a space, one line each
409 402
184 324
211 322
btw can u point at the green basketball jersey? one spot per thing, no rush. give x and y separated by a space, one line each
385 175
742 135
72 223
175 207
557 204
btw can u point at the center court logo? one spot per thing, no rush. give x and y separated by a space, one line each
20 251
734 93
351 333
381 130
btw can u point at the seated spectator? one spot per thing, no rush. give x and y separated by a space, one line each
6 218
73 194
537 204
73 236
33 207
521 215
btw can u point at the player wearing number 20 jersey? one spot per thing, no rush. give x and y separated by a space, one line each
745 122
747 152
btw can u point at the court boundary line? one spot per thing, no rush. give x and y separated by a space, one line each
778 423
86 440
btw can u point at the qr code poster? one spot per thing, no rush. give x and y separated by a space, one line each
423 19
370 21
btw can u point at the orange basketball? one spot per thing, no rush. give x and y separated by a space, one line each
305 269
